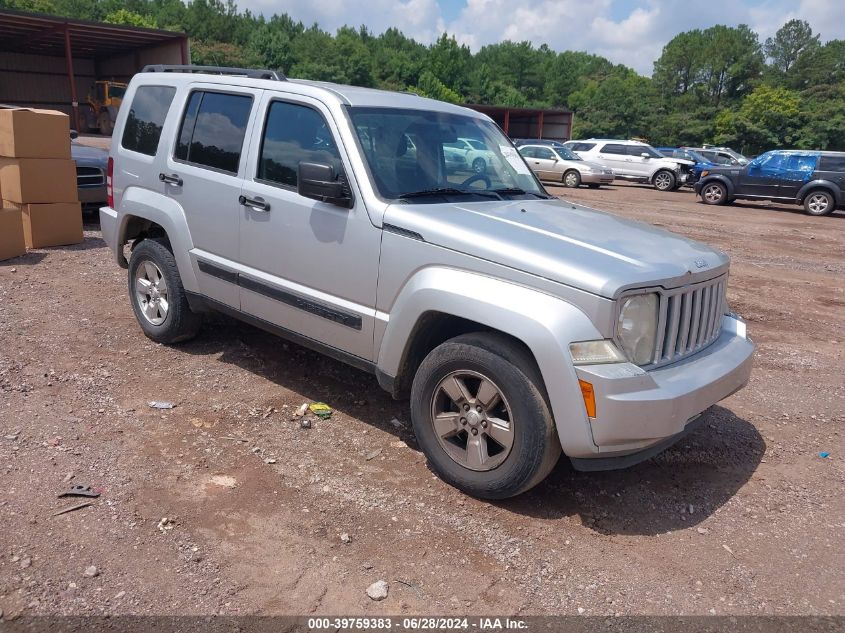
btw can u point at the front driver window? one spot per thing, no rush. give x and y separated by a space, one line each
294 134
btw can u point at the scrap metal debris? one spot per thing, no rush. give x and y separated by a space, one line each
161 404
78 506
80 491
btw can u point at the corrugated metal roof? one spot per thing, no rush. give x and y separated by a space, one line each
45 35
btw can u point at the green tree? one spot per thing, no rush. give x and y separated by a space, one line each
430 86
792 40
770 117
123 16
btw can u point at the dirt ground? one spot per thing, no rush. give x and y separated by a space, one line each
225 505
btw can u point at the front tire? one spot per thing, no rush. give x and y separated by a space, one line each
480 415
572 179
157 295
714 193
664 180
819 203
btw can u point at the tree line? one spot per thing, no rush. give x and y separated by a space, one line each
717 85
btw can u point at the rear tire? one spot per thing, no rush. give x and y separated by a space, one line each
819 202
714 193
571 178
157 295
664 180
495 379
479 166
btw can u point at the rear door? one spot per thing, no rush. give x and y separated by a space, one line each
205 173
797 170
615 156
832 167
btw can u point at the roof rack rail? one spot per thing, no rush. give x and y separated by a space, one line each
252 73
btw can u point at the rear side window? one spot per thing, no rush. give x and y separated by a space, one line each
213 129
582 147
294 134
146 118
542 152
832 163
612 148
528 152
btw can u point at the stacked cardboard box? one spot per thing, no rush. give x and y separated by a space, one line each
38 177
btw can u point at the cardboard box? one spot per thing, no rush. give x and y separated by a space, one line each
11 234
24 180
29 133
56 224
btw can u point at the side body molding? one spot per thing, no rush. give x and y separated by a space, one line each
546 324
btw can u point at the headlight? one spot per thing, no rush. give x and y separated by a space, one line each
636 328
595 353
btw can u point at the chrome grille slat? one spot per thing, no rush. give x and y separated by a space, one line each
689 319
686 313
90 177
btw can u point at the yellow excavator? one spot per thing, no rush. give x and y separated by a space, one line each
104 101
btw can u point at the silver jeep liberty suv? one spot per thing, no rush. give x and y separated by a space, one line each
520 325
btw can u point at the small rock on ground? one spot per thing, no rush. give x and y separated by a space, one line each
378 590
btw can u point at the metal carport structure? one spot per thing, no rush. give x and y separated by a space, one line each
36 49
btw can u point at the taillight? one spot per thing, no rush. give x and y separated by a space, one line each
109 181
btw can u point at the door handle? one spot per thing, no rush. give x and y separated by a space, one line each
259 204
172 179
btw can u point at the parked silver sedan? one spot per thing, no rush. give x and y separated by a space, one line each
558 164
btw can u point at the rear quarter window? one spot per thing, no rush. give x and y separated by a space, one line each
147 114
832 163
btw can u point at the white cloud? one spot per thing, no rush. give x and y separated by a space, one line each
635 39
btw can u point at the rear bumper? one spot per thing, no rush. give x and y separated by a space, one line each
109 226
644 411
90 196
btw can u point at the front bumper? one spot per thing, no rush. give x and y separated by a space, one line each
596 178
639 410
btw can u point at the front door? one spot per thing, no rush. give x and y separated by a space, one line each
762 176
204 173
307 266
544 163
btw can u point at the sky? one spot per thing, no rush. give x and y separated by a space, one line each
631 32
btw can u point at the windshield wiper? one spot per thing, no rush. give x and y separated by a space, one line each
446 191
516 191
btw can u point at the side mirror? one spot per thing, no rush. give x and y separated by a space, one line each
644 155
74 134
318 181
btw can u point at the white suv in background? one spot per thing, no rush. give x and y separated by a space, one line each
633 160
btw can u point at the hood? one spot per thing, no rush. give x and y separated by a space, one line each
681 161
89 156
569 244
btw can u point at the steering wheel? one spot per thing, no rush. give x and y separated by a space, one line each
475 177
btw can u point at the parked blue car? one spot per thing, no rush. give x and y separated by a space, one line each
701 163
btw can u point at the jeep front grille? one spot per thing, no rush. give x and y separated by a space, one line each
90 177
690 319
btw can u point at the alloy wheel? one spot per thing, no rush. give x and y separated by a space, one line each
713 193
472 420
151 292
818 204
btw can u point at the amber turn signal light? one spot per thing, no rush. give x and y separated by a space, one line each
589 397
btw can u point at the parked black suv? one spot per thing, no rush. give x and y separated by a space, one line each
813 179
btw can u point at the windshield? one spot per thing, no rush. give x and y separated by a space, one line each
418 151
